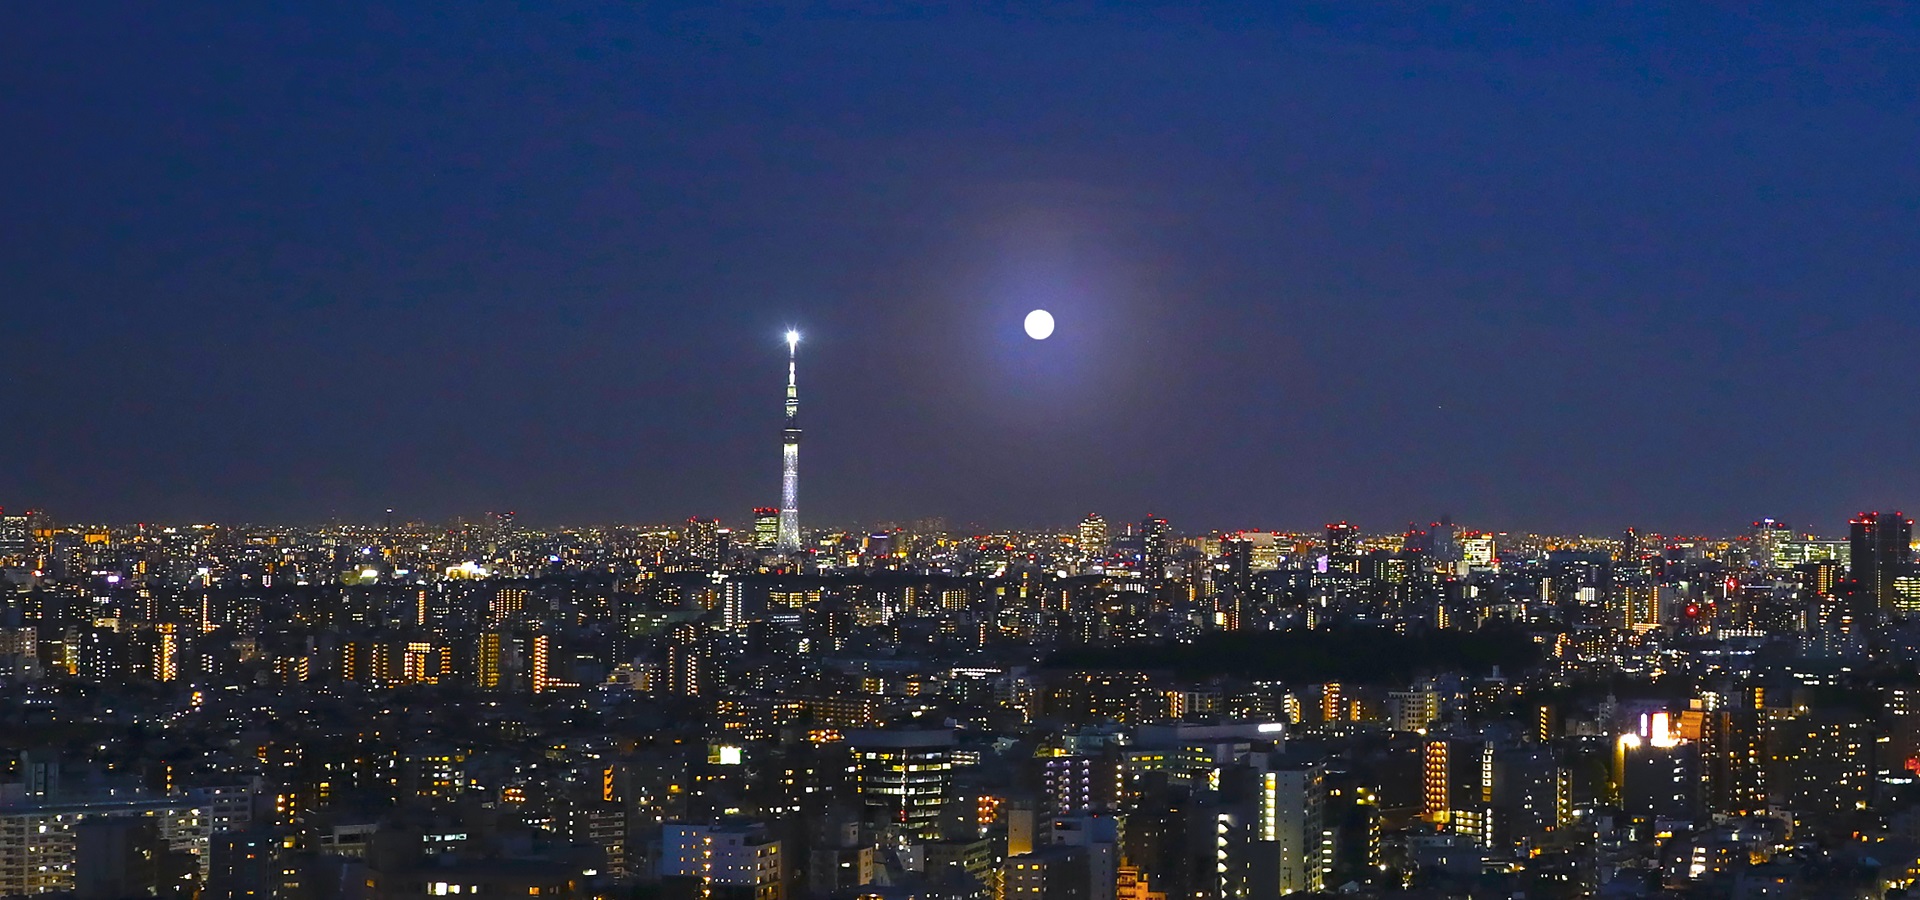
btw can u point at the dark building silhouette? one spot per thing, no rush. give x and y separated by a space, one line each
1882 548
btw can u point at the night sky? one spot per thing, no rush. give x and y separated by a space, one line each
1536 269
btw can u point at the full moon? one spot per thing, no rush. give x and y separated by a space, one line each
1039 324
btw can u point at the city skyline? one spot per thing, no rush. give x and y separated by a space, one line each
1111 713
745 524
1397 451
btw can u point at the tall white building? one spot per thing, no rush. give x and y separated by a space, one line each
1292 803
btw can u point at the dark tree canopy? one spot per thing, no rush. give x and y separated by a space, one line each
1357 655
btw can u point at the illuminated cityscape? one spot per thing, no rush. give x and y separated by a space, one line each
1094 711
1440 450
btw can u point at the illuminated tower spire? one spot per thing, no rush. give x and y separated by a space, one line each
790 458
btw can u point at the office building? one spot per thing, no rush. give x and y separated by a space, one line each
1155 536
1343 540
1093 538
766 527
15 539
1880 550
905 777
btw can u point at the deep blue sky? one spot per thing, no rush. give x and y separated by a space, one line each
1537 268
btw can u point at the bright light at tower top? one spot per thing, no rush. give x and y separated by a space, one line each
793 339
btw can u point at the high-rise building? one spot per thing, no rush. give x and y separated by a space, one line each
541 647
905 776
1235 566
1820 766
1332 707
1343 539
1640 607
15 538
701 539
1444 538
1765 538
1788 553
166 652
1290 825
1822 578
103 654
684 670
487 661
418 663
790 457
1479 551
766 527
507 602
1457 787
1737 771
1093 537
1413 710
1882 549
1532 797
1078 784
732 605
1154 536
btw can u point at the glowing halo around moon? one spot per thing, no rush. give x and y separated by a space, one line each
1039 324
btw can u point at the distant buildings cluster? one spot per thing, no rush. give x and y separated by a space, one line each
405 709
